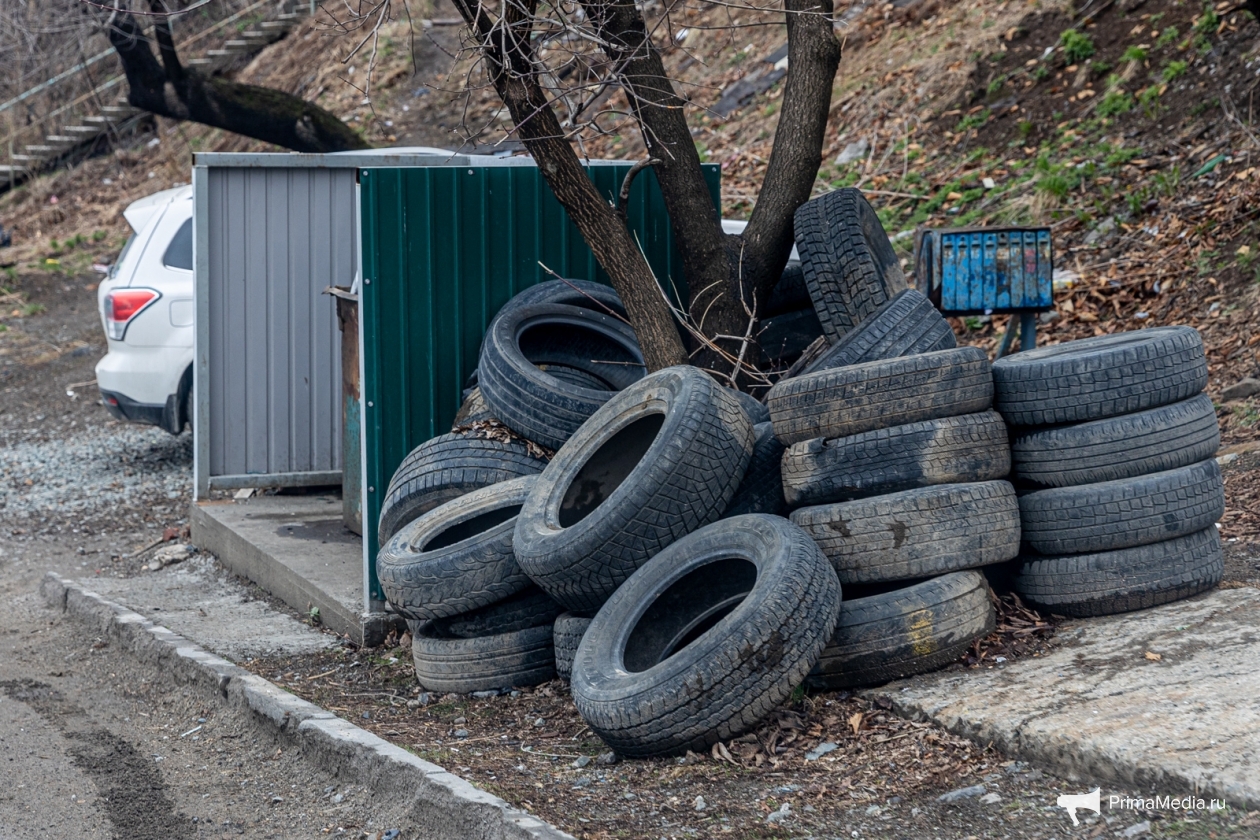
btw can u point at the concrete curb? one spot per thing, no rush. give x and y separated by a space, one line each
443 805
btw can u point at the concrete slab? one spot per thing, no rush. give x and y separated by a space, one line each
296 548
1166 698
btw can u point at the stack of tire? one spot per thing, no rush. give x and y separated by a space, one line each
1114 453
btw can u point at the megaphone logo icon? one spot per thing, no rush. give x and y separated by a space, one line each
1072 801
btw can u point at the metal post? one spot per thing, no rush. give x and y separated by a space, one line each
1028 330
1012 327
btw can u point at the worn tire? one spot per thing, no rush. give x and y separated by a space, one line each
657 461
706 639
790 294
784 337
849 263
755 408
531 607
1110 582
916 533
446 467
903 325
457 557
1155 440
472 410
1127 512
875 395
568 292
761 491
1099 377
524 357
567 634
952 450
901 632
484 663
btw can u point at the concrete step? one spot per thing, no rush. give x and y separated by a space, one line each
199 62
62 140
119 111
254 35
103 120
276 25
81 131
236 46
8 170
220 53
43 152
27 159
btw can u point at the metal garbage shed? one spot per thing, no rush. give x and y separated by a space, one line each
443 249
271 232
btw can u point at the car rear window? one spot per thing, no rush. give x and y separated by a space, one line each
179 252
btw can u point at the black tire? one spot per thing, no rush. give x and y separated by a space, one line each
529 608
1099 377
1111 582
1155 440
916 533
876 395
952 450
783 338
473 410
485 663
849 264
706 639
539 404
446 467
904 631
755 408
761 491
567 634
1123 513
790 294
457 557
568 292
657 461
903 325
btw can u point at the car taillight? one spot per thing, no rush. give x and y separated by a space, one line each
123 305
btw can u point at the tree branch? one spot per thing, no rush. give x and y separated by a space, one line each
623 197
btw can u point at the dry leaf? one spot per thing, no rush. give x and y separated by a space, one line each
1154 657
855 722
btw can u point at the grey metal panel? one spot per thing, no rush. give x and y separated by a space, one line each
276 237
343 160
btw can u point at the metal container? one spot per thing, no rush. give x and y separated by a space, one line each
988 270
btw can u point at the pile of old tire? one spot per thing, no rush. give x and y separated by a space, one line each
896 468
1114 454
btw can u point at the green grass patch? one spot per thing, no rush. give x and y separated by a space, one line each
1137 54
1173 70
1167 37
1116 102
1077 46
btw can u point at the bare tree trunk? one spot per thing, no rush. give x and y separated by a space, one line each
170 90
513 72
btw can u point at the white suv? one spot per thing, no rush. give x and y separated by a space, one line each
147 309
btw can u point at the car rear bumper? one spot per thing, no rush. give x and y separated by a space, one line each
169 416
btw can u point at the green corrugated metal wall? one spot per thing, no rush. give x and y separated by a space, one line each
443 248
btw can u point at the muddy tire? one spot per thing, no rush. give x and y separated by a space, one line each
457 557
876 395
755 408
903 325
531 607
952 450
446 467
657 461
849 265
583 294
1123 513
540 365
472 410
1099 377
1155 440
485 663
567 634
916 533
1111 582
783 338
706 639
900 632
761 491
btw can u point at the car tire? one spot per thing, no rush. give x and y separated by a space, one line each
706 639
903 325
584 294
446 467
755 408
761 491
899 632
567 634
790 294
1155 440
951 450
875 395
1099 377
1123 513
531 607
783 338
457 557
524 357
657 461
916 533
484 663
1111 582
849 264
